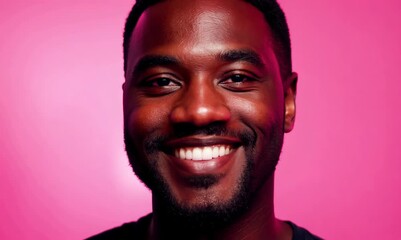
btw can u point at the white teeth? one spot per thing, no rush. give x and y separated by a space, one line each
215 152
188 154
222 151
202 153
182 154
207 153
197 154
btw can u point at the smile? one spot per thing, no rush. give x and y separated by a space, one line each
203 153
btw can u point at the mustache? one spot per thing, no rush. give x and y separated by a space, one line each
185 130
155 141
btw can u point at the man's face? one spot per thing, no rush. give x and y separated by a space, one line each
204 103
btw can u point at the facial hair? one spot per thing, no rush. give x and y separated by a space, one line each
211 215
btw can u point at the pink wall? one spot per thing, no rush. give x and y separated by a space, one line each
63 170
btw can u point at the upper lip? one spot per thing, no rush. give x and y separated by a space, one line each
201 141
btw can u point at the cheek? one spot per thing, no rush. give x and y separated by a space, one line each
145 118
259 111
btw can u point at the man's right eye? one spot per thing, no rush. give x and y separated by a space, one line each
161 82
160 86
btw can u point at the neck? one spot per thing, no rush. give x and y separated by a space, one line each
258 222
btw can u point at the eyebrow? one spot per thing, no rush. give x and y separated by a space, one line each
150 61
242 55
245 55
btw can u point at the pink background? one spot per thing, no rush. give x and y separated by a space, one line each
63 170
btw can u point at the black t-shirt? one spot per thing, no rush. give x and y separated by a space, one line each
137 231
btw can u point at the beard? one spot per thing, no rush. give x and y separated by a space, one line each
213 214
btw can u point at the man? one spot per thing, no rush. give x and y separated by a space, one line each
209 93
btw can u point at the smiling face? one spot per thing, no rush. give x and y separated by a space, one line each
205 108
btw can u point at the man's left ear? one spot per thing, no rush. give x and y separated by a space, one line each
290 92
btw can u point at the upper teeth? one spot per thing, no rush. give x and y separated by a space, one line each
202 153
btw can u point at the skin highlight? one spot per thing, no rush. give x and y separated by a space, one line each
207 76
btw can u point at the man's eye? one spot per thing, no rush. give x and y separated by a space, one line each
159 86
237 78
161 82
239 82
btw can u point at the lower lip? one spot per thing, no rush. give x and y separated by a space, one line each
202 167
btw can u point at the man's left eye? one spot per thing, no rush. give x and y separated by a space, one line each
237 78
239 82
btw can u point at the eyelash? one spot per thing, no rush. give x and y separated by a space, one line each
161 80
236 82
243 77
165 81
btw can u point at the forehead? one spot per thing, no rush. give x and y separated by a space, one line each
203 26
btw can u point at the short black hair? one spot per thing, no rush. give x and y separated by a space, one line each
271 10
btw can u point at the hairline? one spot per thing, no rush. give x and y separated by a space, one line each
279 47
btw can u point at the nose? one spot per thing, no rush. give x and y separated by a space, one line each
200 104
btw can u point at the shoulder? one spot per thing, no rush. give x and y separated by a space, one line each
131 230
300 233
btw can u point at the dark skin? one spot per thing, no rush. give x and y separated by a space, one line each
198 63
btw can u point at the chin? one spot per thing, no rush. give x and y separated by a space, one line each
206 212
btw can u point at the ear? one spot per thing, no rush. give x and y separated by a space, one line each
290 92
